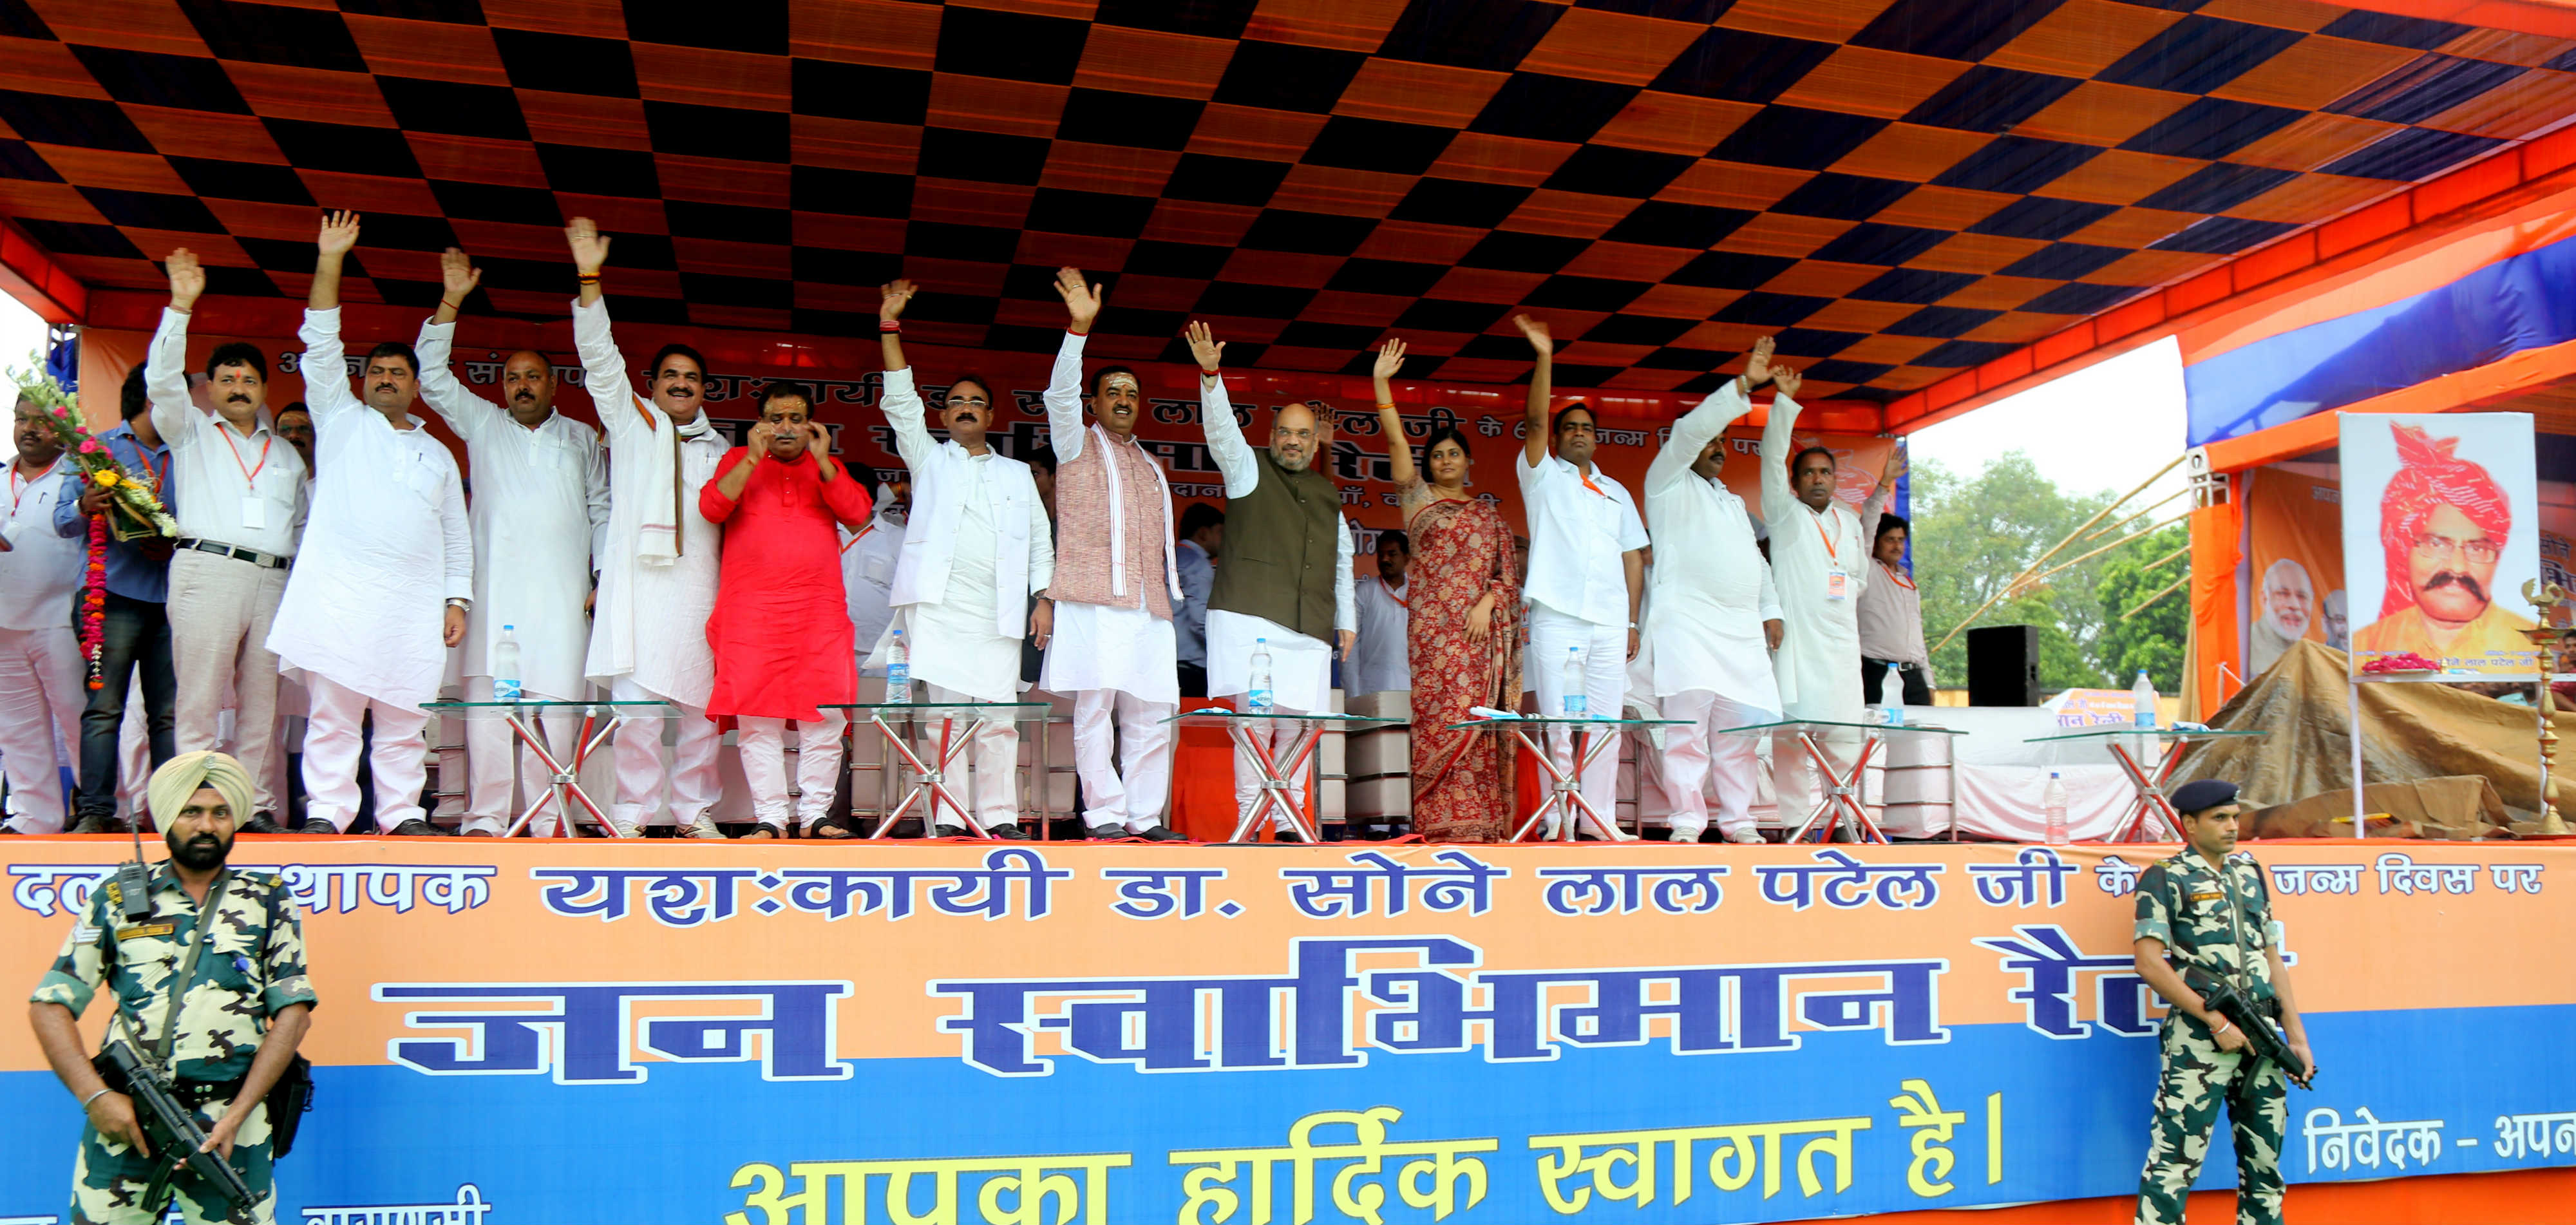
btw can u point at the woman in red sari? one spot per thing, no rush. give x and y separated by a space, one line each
1465 608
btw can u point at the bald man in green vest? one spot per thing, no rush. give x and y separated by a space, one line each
1283 582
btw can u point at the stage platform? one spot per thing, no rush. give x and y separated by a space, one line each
781 1032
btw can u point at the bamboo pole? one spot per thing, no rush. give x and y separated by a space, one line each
2167 590
2077 561
2141 513
2086 526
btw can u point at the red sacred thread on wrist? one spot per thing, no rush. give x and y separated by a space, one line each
449 305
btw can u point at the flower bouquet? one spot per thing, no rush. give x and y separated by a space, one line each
136 511
2405 662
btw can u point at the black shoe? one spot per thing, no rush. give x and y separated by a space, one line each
1107 833
1287 835
418 827
102 823
948 831
263 822
316 825
1163 833
1007 831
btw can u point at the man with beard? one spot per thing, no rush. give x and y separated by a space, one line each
2287 599
540 507
659 561
388 546
240 507
1286 586
40 657
777 497
242 1010
2443 524
870 553
962 596
1115 586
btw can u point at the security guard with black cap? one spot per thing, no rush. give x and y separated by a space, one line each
242 1005
2207 911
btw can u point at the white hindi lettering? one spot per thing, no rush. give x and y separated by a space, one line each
51 889
2399 873
2535 1135
467 1210
2336 1145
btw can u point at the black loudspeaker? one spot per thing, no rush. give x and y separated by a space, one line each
2003 666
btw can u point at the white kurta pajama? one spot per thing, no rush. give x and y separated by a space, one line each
1581 529
1709 596
1378 660
1119 664
961 588
41 695
230 488
364 615
1818 665
1301 665
648 641
540 510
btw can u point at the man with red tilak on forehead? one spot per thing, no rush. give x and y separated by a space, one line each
2443 523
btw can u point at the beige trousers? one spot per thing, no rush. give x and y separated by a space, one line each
220 608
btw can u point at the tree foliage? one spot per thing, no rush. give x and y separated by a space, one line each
1974 535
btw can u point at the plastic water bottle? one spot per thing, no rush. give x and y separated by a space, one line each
1257 701
505 666
2052 806
1891 699
2145 693
1577 704
898 670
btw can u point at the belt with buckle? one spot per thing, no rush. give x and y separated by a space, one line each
253 556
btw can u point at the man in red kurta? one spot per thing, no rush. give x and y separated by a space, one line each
781 628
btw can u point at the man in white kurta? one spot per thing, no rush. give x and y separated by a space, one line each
540 507
1116 585
1379 662
1819 562
240 490
657 564
1711 618
383 577
40 658
1300 500
1587 575
961 592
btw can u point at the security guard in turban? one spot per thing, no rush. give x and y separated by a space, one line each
2210 908
242 1011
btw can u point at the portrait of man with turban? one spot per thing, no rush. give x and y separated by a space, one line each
2443 524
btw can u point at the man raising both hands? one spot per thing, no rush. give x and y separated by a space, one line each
387 545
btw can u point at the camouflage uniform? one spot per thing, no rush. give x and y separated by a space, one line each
2220 920
247 973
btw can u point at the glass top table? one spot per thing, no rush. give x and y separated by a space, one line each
1277 769
562 786
2127 743
936 780
1563 808
1843 798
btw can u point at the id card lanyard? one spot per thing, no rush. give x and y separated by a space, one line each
254 510
1837 580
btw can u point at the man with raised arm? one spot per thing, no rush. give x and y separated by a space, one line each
385 574
240 504
1714 618
658 563
1116 583
1587 572
1285 587
1819 563
540 509
962 592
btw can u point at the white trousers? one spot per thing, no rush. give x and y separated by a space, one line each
399 756
1605 683
491 748
763 743
220 612
1693 754
1131 794
638 740
1274 736
41 698
994 755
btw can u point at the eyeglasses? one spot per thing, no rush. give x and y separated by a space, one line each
970 401
2432 546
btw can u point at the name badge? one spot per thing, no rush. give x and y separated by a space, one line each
146 929
1837 584
2211 895
254 512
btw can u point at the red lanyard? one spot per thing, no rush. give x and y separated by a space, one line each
861 535
1901 580
1400 601
250 475
1830 550
18 488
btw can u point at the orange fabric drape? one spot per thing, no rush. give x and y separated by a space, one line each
2214 555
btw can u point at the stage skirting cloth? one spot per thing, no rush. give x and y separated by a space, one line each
786 1034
